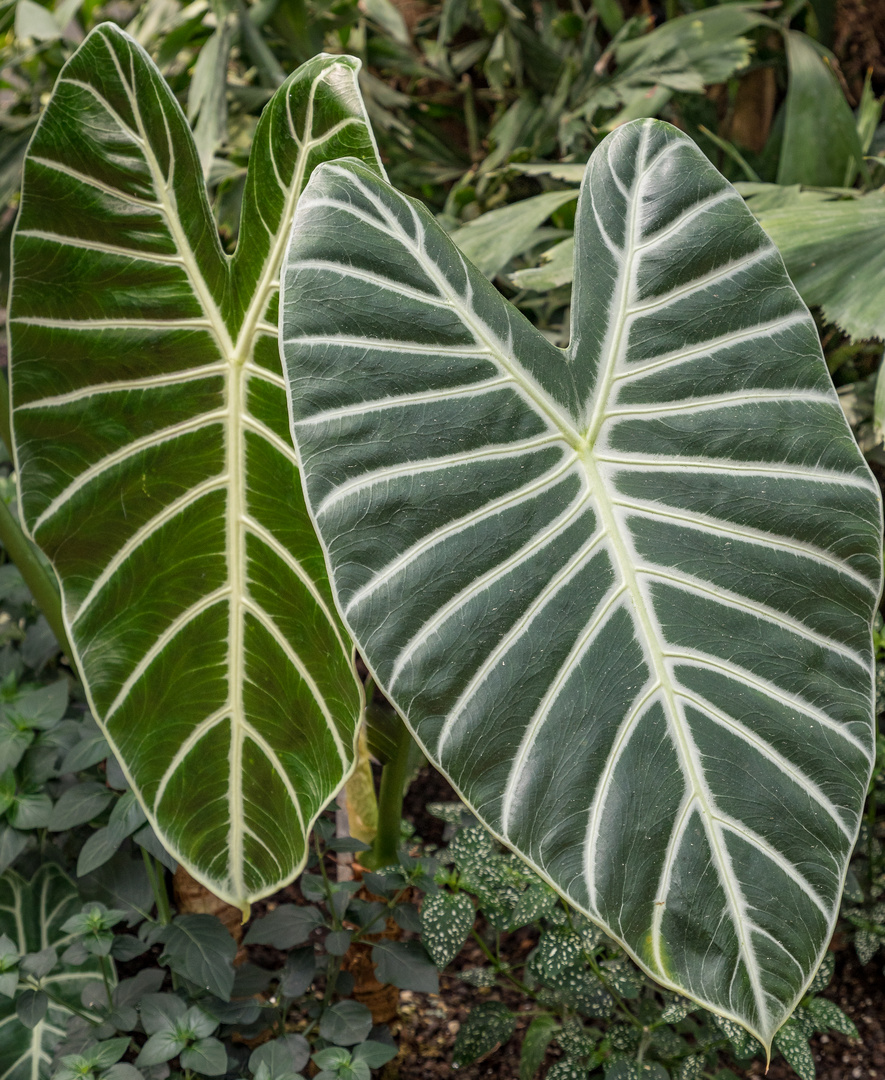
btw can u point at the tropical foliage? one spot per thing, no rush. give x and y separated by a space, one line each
497 515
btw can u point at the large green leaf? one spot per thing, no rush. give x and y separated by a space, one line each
32 915
834 251
621 593
820 143
156 471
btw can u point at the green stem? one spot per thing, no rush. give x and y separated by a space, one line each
600 974
106 977
607 986
385 849
470 120
497 965
157 877
37 578
67 1005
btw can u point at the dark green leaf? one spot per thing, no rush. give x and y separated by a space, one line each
206 1056
375 1054
285 926
108 1053
163 1046
346 1023
31 1006
632 530
338 942
79 804
200 948
288 1054
155 466
298 974
534 1046
487 1027
41 708
85 753
405 964
820 145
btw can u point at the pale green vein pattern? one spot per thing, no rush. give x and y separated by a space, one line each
32 915
621 593
155 466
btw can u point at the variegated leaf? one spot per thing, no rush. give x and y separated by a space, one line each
621 593
155 467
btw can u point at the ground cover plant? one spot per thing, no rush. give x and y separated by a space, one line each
142 997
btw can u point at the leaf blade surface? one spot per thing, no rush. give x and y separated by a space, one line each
151 440
560 566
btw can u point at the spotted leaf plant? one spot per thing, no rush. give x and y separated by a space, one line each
155 468
620 593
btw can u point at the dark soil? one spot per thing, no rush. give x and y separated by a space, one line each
859 43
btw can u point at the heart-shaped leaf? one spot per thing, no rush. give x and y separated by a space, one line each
621 593
155 467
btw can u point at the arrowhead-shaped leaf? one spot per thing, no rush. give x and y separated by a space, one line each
154 461
621 593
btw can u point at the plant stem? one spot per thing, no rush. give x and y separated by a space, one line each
67 1005
385 849
336 922
157 877
37 578
497 965
106 978
390 906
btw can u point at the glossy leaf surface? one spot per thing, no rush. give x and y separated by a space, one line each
621 593
156 471
31 915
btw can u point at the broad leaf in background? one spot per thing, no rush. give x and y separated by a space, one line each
495 238
557 267
156 472
621 594
834 250
31 915
820 144
207 94
682 55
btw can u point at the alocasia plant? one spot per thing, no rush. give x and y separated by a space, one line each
156 472
621 593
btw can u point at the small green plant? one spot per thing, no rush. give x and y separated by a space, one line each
593 1007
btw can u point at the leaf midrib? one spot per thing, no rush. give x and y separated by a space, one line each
684 743
236 352
583 443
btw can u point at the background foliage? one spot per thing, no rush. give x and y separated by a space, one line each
487 110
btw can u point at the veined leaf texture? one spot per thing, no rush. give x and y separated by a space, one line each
621 593
155 466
